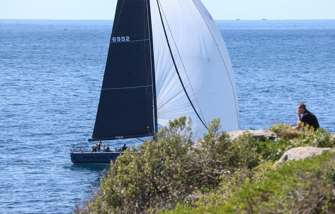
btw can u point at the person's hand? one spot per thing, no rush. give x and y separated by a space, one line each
299 121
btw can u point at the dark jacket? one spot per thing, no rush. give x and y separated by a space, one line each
310 119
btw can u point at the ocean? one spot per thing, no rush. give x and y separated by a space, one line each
50 79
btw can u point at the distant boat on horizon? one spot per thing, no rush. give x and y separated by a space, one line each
238 19
264 19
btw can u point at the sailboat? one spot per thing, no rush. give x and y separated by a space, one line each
166 59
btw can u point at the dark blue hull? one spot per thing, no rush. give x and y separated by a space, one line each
94 157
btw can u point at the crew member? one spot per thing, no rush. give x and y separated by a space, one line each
94 148
99 145
107 148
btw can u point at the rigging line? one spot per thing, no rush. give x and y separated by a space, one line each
183 65
175 65
145 37
118 18
131 87
153 77
231 84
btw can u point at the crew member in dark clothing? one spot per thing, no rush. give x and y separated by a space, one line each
99 145
306 118
107 148
94 148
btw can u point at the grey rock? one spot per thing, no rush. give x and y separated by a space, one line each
257 134
301 153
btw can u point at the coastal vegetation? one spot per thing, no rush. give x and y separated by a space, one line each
218 174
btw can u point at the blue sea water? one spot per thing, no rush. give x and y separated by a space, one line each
50 78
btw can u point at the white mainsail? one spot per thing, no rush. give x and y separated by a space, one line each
203 63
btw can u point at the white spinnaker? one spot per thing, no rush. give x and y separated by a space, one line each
203 63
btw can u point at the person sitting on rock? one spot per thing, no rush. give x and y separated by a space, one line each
307 118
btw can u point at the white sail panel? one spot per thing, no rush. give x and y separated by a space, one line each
219 41
203 64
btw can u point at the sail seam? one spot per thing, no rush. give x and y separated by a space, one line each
144 86
181 81
217 45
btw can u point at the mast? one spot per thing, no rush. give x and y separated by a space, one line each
152 66
127 106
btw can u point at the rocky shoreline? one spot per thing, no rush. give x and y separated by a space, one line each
280 170
299 153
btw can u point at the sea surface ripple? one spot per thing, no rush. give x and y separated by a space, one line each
50 79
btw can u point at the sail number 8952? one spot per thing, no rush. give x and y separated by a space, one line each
121 39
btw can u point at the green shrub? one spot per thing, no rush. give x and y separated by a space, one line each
158 175
292 138
234 176
152 175
297 187
305 186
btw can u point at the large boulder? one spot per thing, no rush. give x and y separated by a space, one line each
301 153
257 134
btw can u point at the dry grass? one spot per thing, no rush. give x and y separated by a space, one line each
289 134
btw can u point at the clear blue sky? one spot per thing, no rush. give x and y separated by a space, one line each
220 9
